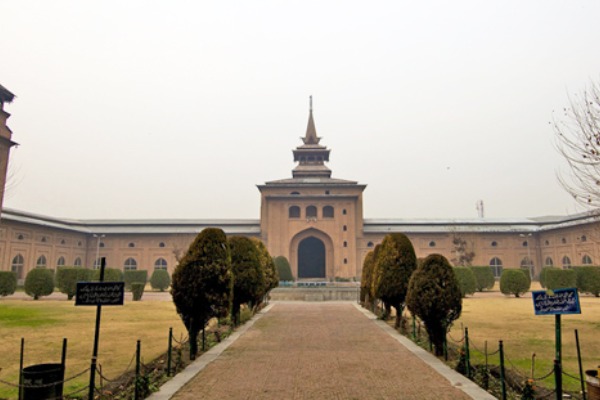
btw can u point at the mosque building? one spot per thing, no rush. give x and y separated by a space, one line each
314 220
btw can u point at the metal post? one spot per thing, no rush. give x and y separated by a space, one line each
581 378
467 355
63 358
558 379
502 376
21 368
136 394
170 349
96 338
558 360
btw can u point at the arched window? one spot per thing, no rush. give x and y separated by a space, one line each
526 262
130 264
311 212
161 244
294 212
547 243
586 260
432 244
63 242
44 239
345 261
525 243
345 244
41 262
496 265
77 262
344 228
563 240
494 244
97 263
20 237
327 212
17 265
344 211
101 244
131 244
549 262
370 244
583 238
161 263
566 262
295 193
60 262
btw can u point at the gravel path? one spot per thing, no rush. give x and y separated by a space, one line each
302 350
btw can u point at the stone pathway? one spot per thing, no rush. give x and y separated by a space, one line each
322 350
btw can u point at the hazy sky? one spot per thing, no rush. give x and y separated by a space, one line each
177 109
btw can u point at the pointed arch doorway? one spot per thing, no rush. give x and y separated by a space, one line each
311 258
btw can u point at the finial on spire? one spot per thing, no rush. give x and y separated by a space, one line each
310 102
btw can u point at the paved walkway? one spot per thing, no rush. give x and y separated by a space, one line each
323 350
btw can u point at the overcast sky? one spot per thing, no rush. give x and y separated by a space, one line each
177 109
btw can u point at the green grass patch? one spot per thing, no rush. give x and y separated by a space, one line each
25 317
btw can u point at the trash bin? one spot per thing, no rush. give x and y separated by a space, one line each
593 384
43 381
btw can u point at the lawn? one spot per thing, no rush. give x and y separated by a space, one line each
44 323
512 320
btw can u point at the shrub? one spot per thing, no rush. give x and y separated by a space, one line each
527 273
365 280
396 261
588 280
249 277
514 281
466 280
134 275
137 288
561 278
267 264
484 277
8 283
110 275
434 296
202 283
543 275
283 268
67 278
39 282
160 279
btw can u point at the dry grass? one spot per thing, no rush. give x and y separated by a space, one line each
494 317
45 323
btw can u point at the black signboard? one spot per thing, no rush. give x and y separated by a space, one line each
556 302
100 293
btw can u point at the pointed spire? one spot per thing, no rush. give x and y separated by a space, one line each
311 131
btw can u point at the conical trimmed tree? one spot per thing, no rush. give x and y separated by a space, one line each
202 283
249 277
365 281
434 296
268 266
396 261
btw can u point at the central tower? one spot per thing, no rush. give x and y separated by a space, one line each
312 219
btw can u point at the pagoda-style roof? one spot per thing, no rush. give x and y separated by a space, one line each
5 95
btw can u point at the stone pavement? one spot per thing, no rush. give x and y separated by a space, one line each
324 350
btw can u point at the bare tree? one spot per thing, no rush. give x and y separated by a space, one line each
463 251
578 141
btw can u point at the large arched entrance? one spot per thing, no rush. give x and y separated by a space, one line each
311 258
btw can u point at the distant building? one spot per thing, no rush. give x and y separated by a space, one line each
314 220
5 138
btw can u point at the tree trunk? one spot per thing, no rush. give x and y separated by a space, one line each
399 309
193 340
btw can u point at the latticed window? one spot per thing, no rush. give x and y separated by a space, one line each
17 265
566 262
496 265
586 260
549 262
77 262
328 212
41 262
60 262
161 263
311 212
130 264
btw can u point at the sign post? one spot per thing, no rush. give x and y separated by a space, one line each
557 302
98 294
